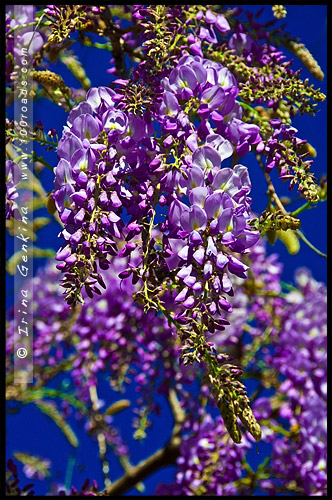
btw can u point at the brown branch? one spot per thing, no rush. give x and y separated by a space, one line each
116 41
135 474
178 412
270 186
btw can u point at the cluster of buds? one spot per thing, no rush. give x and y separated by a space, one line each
276 220
233 402
68 18
279 11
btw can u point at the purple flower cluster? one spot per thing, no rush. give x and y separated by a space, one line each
300 358
253 52
111 166
110 334
199 235
101 147
298 355
209 462
212 89
276 152
253 299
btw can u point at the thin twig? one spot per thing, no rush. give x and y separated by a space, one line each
161 458
276 199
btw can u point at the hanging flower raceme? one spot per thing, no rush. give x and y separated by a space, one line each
151 171
101 151
300 358
111 167
201 238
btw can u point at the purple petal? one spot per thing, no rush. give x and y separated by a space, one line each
182 77
206 158
222 145
195 238
176 208
211 248
222 24
170 105
181 295
189 302
213 97
196 177
184 272
221 261
83 159
85 127
236 266
199 255
213 205
198 195
208 270
183 254
68 144
194 219
82 108
190 281
227 284
210 17
63 253
225 220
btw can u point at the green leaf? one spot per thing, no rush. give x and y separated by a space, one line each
51 411
48 392
32 252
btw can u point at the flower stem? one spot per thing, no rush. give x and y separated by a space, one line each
301 209
310 245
